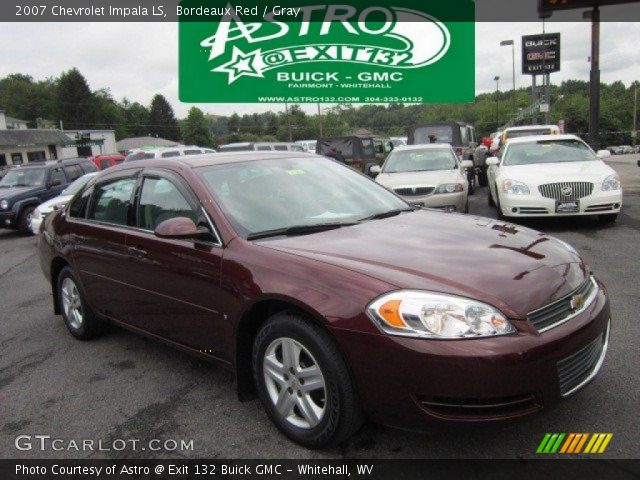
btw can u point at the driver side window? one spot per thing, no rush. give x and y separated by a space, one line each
161 200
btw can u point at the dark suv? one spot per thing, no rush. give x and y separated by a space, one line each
23 188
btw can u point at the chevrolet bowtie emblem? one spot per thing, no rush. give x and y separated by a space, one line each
577 302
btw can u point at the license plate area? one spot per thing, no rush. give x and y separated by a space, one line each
572 206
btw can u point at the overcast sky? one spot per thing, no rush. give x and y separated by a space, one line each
139 60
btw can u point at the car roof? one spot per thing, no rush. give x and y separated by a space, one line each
425 146
211 159
534 138
530 127
51 163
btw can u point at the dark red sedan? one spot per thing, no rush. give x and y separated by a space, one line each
329 296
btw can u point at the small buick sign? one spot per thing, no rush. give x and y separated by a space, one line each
313 52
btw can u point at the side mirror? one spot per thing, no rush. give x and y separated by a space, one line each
603 154
180 228
492 161
375 170
466 164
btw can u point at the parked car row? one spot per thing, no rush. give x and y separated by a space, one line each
333 297
624 149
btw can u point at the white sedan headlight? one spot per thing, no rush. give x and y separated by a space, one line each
4 205
449 188
612 182
437 316
513 187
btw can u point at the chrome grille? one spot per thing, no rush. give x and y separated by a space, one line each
561 310
578 368
414 191
566 190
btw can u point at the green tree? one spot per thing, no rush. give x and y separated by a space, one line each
162 121
136 118
76 104
195 129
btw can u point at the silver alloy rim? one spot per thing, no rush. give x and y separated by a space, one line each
295 383
71 303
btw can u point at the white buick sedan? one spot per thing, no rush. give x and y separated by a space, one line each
558 175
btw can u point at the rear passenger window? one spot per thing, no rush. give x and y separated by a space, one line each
104 164
170 154
264 147
110 202
78 207
57 177
281 148
73 172
193 152
161 200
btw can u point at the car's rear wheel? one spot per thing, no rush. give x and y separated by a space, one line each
24 224
304 383
610 218
77 314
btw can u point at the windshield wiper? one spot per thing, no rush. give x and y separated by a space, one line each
387 214
298 230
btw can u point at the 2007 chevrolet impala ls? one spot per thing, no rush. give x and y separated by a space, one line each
329 296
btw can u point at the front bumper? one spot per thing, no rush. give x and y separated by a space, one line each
441 201
35 223
8 219
598 203
417 383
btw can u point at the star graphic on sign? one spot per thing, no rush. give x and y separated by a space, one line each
241 64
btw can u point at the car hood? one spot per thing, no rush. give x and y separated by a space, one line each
418 179
54 202
516 269
594 171
13 192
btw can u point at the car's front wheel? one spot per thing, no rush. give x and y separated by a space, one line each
24 224
77 314
304 383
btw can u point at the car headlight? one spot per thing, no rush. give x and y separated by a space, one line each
612 182
436 316
4 205
449 188
513 187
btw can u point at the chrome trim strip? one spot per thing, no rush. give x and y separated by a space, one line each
597 366
587 303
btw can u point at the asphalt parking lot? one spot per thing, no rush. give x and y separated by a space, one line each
123 386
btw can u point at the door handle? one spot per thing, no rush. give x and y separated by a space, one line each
137 251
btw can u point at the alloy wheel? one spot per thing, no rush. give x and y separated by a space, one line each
295 383
71 303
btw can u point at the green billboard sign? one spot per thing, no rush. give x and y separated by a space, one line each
407 51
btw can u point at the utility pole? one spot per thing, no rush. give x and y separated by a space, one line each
634 133
506 43
497 80
286 111
594 87
320 120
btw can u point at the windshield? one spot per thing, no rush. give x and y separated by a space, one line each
23 177
426 160
548 151
435 134
270 194
76 186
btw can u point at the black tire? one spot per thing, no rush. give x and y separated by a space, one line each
25 218
342 416
483 180
610 218
501 216
89 326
